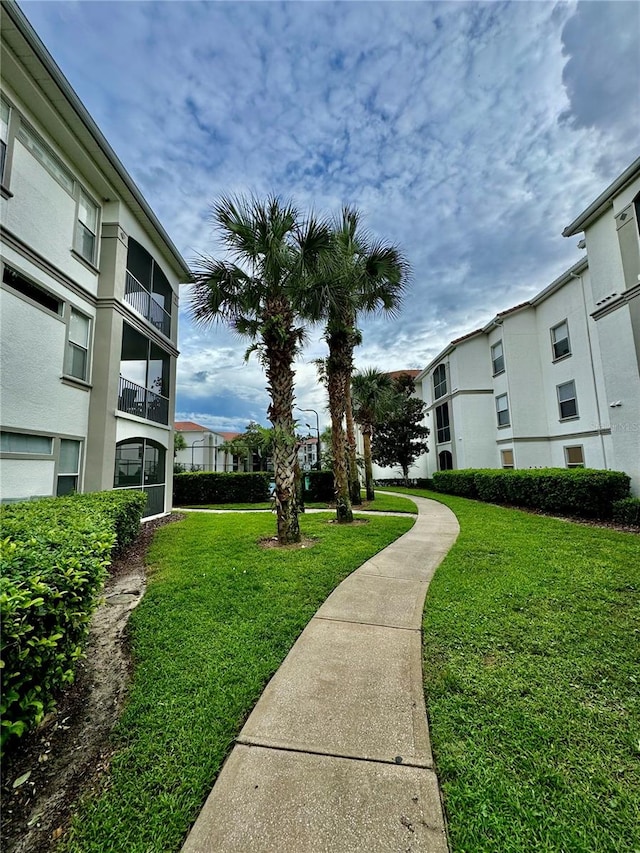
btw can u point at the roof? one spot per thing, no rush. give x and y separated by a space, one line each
229 436
604 200
395 374
190 426
16 31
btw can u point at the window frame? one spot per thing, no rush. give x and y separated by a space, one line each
77 474
507 466
59 313
67 374
79 226
499 411
26 454
555 342
500 344
574 399
12 129
441 370
443 428
566 450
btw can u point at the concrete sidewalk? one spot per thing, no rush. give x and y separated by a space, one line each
336 756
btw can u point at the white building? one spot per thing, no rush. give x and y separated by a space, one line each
204 449
555 381
89 297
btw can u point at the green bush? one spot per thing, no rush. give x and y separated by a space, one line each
460 482
320 486
55 554
627 511
577 491
207 487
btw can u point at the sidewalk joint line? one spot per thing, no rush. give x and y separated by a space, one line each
281 748
370 624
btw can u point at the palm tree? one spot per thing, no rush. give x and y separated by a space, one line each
258 291
360 276
371 392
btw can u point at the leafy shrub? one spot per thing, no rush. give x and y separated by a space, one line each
575 491
414 482
55 554
460 482
207 487
320 486
627 511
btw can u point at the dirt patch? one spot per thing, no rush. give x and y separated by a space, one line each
69 753
354 523
272 542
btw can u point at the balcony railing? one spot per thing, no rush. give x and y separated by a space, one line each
140 299
136 400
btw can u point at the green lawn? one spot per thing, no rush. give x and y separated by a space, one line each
532 680
219 615
382 503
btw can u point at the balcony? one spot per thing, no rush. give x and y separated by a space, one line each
142 300
142 402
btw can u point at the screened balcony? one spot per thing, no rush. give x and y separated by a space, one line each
147 289
144 378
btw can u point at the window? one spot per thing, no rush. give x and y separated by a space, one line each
502 410
507 458
574 457
32 291
442 423
18 442
5 113
445 460
567 402
78 346
560 340
497 358
141 464
439 381
87 228
45 155
68 467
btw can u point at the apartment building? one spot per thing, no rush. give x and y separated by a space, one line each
204 450
555 381
89 297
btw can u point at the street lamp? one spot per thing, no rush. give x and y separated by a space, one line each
193 444
317 431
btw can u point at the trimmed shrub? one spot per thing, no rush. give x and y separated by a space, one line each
414 482
576 491
55 554
627 511
209 487
461 482
320 486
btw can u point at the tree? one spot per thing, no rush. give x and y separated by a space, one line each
179 443
326 450
399 437
359 276
259 291
371 392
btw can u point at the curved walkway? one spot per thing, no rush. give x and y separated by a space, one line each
336 755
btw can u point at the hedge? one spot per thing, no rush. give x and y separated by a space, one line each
627 511
55 554
318 486
208 487
576 491
414 482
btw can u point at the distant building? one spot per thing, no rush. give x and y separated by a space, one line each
308 452
204 449
89 297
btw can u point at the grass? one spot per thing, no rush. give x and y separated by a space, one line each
532 674
219 615
382 503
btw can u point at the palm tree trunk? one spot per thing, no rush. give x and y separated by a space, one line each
354 479
280 348
336 389
368 467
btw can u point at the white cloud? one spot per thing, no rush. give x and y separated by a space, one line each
468 133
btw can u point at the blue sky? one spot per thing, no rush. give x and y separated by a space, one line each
470 134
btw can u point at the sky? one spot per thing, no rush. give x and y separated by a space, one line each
467 134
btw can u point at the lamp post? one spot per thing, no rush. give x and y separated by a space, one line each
193 444
318 434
